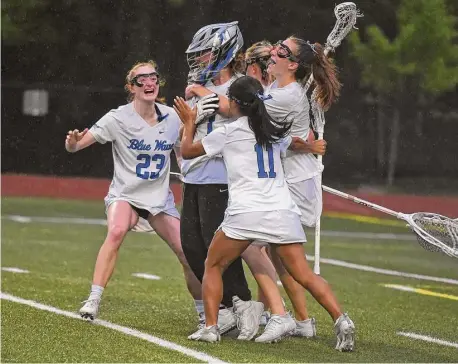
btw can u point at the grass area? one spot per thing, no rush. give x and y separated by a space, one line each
60 259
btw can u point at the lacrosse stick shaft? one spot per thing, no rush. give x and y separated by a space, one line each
316 264
362 202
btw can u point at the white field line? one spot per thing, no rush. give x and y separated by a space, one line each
125 330
389 272
430 339
55 220
422 291
146 276
102 222
14 270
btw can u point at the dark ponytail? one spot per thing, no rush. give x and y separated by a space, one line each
247 92
311 56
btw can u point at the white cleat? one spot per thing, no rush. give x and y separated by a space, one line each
306 328
264 318
201 324
226 320
90 309
277 328
248 314
207 334
345 331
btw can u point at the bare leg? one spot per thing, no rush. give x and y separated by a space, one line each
168 228
261 296
294 290
120 219
222 252
292 257
264 272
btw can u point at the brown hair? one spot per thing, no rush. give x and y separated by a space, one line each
130 75
311 56
260 53
237 65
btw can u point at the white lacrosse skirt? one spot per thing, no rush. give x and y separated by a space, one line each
273 227
308 196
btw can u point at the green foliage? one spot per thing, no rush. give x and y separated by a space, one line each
23 21
423 53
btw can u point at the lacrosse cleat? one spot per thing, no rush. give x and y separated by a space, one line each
248 314
277 328
201 323
306 328
345 331
264 318
209 334
90 309
226 320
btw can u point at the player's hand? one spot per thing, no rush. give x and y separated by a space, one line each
188 93
314 147
184 111
207 106
72 139
318 146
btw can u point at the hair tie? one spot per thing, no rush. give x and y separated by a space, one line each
262 97
312 47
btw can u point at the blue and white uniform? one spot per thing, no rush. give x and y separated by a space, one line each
260 205
206 169
141 157
302 170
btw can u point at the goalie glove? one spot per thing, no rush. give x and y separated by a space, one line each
206 107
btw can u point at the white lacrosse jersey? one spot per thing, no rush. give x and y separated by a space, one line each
141 154
255 174
291 103
206 169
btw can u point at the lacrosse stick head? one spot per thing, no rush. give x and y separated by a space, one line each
436 233
346 14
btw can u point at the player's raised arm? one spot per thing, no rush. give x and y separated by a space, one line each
188 117
77 140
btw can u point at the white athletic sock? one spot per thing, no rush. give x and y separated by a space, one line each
96 292
199 306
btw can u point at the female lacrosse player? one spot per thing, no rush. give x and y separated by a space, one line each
257 58
291 62
260 205
215 62
143 134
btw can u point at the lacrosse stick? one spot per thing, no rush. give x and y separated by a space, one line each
346 14
434 232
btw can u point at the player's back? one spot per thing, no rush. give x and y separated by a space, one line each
255 173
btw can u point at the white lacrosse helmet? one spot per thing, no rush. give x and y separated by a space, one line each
212 48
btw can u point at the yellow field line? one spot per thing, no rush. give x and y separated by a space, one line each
365 219
421 291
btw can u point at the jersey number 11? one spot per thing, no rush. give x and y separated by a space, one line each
260 156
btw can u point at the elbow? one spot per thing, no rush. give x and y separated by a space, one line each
186 154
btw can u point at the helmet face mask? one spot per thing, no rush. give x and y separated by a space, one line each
212 48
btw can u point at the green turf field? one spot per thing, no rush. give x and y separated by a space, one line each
60 258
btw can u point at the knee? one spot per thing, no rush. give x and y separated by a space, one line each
211 264
116 235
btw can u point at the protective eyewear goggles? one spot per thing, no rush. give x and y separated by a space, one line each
283 51
140 79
